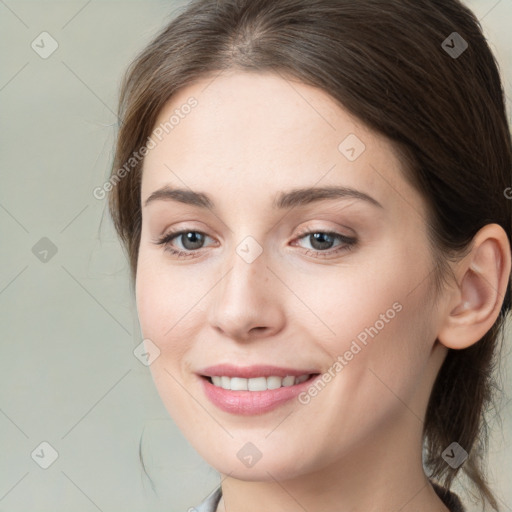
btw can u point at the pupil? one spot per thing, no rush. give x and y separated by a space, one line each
319 238
194 238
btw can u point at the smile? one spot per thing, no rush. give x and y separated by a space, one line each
253 390
257 383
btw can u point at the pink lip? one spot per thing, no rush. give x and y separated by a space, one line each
248 372
249 403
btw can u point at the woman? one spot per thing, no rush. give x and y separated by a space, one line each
313 198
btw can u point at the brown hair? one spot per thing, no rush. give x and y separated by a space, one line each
384 61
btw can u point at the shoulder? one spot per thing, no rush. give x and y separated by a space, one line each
209 504
450 499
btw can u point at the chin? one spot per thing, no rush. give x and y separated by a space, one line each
243 461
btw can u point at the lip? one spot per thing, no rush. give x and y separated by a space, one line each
249 372
251 403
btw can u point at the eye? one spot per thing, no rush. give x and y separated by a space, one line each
190 240
322 241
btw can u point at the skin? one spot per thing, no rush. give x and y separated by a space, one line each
357 444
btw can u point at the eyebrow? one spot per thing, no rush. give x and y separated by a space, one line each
285 200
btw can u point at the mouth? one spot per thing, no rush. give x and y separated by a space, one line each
254 390
261 383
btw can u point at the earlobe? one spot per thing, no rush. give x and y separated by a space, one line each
482 276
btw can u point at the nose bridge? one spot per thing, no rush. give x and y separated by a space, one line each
244 298
246 260
247 272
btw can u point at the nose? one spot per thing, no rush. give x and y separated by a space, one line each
247 301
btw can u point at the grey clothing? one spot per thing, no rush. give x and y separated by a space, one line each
450 499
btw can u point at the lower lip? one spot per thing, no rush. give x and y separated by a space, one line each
248 403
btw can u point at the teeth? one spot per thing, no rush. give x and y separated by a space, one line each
302 378
257 383
225 382
289 381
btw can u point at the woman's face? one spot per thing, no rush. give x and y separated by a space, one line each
347 302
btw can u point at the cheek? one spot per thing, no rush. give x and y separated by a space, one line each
163 308
151 304
379 327
377 361
386 351
167 299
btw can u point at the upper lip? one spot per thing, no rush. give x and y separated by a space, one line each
248 372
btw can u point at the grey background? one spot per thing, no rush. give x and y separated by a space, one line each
69 325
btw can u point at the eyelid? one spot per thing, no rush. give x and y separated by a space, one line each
348 243
321 229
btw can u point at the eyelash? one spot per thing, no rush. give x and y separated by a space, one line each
349 243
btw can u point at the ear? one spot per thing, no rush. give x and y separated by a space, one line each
482 279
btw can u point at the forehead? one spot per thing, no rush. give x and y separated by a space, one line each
265 133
